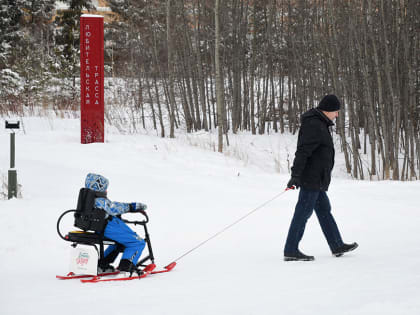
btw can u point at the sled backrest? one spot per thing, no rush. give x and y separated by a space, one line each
87 217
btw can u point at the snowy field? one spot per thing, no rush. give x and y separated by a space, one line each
191 193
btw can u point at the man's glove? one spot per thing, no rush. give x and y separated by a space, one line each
137 207
294 182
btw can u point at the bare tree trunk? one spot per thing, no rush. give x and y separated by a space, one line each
162 127
188 104
170 68
252 68
381 105
151 101
219 85
371 123
393 155
200 80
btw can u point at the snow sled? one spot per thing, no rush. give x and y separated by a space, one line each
91 223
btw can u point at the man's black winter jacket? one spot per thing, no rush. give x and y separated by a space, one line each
314 157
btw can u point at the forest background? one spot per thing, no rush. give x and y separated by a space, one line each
230 65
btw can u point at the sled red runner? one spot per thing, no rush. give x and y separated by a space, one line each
167 268
99 279
149 270
71 275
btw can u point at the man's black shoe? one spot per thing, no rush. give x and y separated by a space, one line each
344 249
298 256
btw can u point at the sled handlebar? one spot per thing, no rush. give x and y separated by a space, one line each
139 222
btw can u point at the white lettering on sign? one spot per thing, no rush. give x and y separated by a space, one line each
87 62
89 58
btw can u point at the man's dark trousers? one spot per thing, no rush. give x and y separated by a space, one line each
310 200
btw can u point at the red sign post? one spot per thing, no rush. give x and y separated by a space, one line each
92 78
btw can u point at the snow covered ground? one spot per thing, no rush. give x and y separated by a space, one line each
193 192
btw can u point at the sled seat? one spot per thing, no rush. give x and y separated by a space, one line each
88 238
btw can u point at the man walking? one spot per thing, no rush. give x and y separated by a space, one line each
311 171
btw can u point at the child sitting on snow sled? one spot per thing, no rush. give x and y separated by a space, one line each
116 229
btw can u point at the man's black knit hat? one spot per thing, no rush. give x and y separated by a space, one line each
329 103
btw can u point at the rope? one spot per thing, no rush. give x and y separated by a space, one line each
232 224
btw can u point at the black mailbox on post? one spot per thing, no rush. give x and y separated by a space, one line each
12 125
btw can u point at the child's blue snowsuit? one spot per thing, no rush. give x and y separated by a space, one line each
116 229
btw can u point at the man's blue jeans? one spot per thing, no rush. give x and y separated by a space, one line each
310 200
